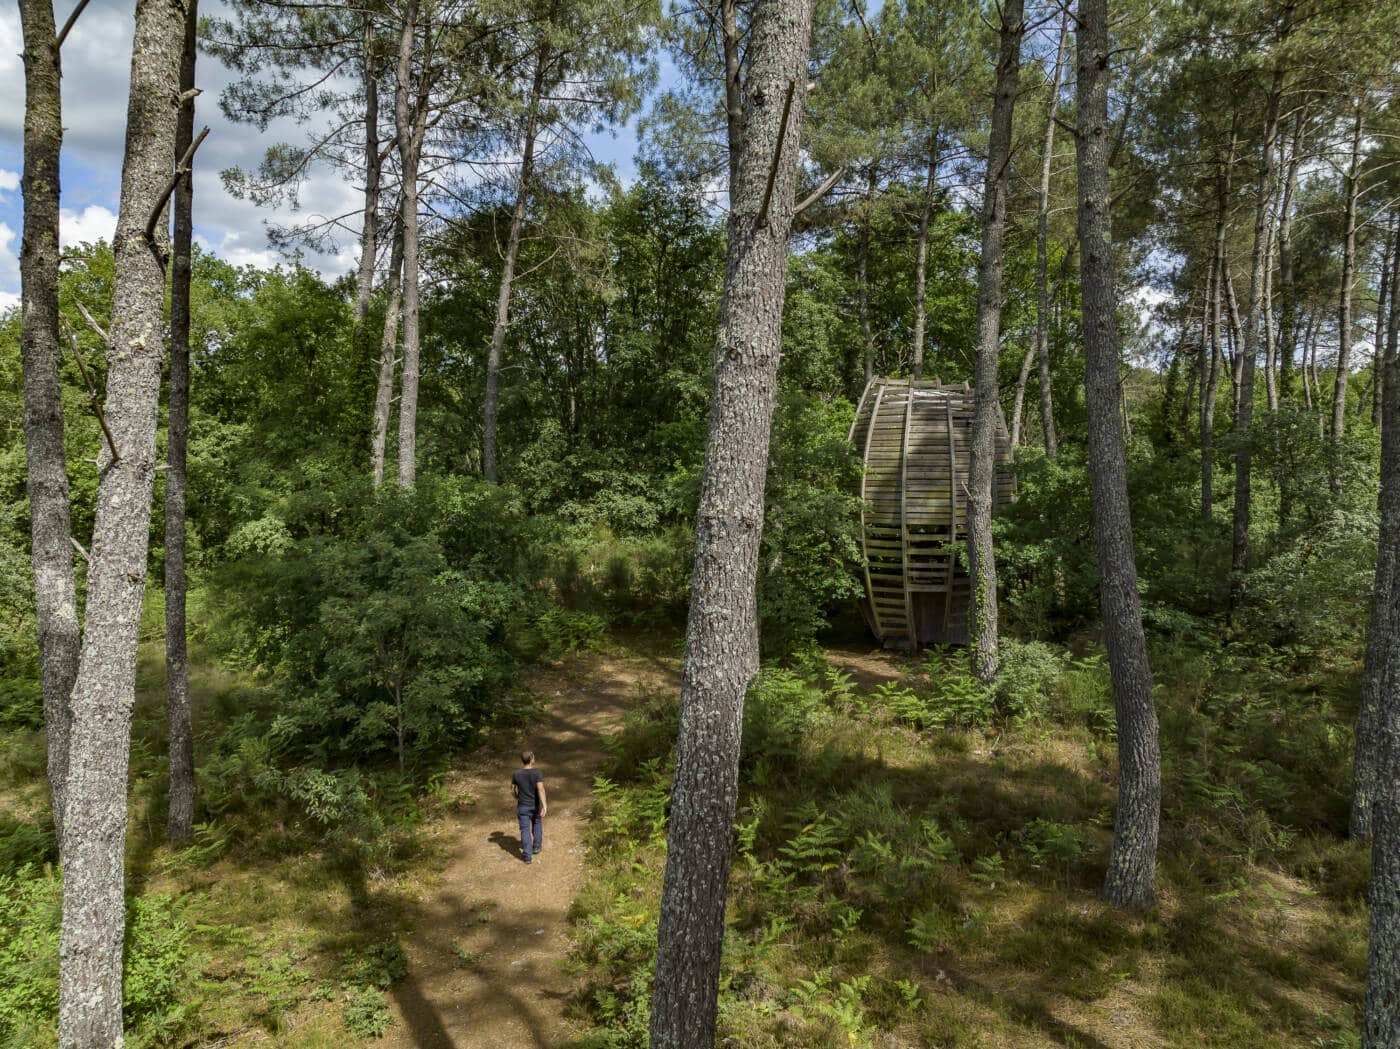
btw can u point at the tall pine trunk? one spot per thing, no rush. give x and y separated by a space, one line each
1018 399
1216 291
921 256
50 526
1288 296
1344 333
180 819
369 230
388 351
489 466
1131 865
986 405
1377 692
867 338
410 122
721 648
1376 802
1042 252
1249 350
1387 290
94 838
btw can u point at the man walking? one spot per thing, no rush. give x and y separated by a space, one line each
527 783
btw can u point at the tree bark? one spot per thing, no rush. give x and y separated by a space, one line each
867 339
369 230
388 350
410 123
982 627
921 257
180 820
1018 400
1288 297
1042 249
1249 350
489 467
1381 640
90 952
1376 801
1210 385
1378 360
1267 311
1216 290
721 651
1339 391
50 526
1131 865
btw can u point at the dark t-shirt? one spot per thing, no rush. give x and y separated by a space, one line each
526 796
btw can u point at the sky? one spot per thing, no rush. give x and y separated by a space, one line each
96 73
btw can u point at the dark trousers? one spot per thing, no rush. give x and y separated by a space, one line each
531 831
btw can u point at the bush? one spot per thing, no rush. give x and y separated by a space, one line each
385 616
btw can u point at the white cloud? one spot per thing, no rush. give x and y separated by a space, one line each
9 267
88 226
9 181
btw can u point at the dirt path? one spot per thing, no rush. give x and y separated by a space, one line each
485 956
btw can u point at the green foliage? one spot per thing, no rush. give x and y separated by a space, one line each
388 616
160 1000
366 1012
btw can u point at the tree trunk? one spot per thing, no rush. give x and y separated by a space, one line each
180 821
867 340
1309 372
1129 882
1267 311
921 258
50 527
388 350
1215 291
1288 297
489 468
1376 801
721 651
1249 350
982 626
1018 400
410 123
1236 341
369 231
733 95
1378 358
90 952
1042 251
1339 391
1210 385
1377 692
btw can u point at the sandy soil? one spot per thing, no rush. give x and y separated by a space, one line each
486 954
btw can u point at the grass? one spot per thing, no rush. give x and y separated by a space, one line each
266 931
917 864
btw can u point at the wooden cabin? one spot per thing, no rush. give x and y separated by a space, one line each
915 439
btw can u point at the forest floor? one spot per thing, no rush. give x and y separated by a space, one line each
489 942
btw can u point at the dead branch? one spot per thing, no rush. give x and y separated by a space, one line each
72 18
819 192
762 219
92 393
182 169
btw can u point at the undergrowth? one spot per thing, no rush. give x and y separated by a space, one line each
916 862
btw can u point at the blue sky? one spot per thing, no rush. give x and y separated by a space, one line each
96 59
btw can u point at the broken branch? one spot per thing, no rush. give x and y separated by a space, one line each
762 219
182 169
72 18
92 394
819 192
